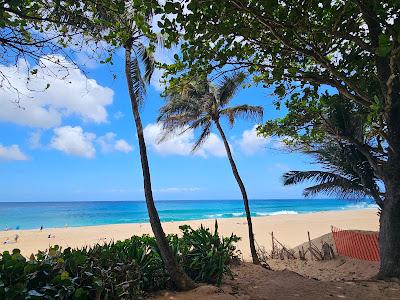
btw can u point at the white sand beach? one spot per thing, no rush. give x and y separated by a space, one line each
288 229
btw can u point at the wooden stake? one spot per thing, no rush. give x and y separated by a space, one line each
273 244
309 244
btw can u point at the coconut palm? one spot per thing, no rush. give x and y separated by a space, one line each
139 65
196 103
346 174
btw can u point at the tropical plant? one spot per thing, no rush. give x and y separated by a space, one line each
306 53
204 255
346 174
123 270
196 103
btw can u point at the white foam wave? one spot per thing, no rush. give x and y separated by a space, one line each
360 205
281 212
214 216
237 214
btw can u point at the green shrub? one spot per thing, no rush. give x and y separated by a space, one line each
122 270
205 256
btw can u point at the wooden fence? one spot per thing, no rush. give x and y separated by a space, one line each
356 244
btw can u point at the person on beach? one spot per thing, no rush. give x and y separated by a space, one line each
16 238
41 228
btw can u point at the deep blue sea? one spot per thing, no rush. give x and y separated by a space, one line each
29 215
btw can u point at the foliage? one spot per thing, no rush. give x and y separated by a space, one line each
346 174
120 270
195 102
205 256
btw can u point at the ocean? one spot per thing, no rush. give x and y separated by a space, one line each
31 215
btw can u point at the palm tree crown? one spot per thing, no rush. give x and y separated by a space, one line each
196 103
346 174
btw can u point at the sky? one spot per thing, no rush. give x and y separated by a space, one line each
76 141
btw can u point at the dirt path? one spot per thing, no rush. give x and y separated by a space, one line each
254 282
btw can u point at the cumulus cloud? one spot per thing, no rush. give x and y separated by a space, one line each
250 143
123 146
74 141
182 144
12 152
109 143
69 92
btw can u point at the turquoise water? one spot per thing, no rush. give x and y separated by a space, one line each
29 215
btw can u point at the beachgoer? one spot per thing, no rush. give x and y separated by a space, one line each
41 228
16 238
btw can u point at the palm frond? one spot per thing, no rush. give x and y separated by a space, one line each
202 138
341 188
244 111
147 58
139 86
295 177
228 86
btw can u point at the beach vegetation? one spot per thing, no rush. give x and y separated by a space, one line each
307 54
195 103
118 270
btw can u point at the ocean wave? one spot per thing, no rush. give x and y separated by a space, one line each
281 212
214 216
237 214
360 205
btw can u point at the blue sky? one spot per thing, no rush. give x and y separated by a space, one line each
76 141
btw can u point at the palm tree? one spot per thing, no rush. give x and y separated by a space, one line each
124 31
196 103
346 174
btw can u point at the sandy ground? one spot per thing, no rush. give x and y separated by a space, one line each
288 229
255 282
338 269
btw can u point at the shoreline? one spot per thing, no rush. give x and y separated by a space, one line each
242 216
290 229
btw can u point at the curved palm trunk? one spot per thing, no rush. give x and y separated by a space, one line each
244 194
178 276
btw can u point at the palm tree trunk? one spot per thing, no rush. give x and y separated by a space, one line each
243 191
178 276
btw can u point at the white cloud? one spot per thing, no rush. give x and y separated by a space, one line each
70 93
34 140
74 141
118 115
182 144
108 143
11 153
214 146
177 189
123 146
250 143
